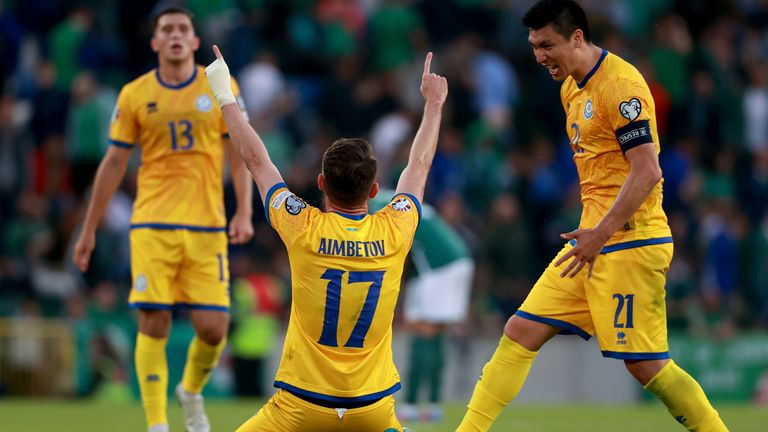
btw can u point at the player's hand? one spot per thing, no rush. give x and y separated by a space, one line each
240 229
83 248
589 243
434 87
218 78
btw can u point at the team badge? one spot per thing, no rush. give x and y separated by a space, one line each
140 285
401 205
588 109
280 199
631 109
203 103
294 205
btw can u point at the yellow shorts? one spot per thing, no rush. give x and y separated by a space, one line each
623 302
285 412
179 267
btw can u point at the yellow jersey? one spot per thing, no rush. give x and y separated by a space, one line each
181 133
345 274
609 112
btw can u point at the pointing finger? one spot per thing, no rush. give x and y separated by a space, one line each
217 52
428 63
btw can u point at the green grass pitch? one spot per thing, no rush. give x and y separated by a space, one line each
17 415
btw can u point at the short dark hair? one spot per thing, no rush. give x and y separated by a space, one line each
173 9
565 16
349 170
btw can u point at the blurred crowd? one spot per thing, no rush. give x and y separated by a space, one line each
311 71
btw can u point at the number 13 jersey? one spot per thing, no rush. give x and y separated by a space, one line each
345 274
181 133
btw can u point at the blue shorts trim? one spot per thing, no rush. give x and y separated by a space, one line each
196 306
164 226
635 356
365 398
268 198
150 306
121 144
631 244
568 328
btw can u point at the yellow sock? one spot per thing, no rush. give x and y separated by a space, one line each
502 378
201 359
685 399
152 373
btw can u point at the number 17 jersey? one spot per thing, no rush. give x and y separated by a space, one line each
345 276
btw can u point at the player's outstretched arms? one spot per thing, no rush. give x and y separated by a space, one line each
434 88
241 133
108 178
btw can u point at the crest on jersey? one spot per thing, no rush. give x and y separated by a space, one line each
588 109
203 103
294 205
140 285
401 205
631 109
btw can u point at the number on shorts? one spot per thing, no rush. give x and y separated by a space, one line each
629 322
333 303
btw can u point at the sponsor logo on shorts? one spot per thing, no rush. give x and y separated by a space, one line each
140 284
621 338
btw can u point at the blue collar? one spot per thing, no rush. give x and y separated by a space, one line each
176 86
594 69
351 216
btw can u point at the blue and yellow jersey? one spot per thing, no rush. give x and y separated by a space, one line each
181 133
345 273
608 113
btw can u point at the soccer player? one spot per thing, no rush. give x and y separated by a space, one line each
609 278
336 371
178 228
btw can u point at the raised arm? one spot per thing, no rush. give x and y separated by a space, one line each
108 177
243 137
434 88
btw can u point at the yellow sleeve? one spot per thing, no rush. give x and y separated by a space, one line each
288 214
124 127
405 211
240 104
630 107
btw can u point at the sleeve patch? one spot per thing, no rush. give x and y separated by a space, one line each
280 199
634 134
294 205
631 109
402 204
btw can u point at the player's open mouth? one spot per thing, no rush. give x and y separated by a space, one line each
177 47
553 69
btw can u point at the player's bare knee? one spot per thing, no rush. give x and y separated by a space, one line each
644 370
529 334
211 335
155 323
211 327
